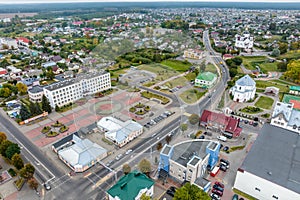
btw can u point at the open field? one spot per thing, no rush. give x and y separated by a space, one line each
162 72
180 81
264 102
191 96
261 61
264 84
211 68
291 55
177 65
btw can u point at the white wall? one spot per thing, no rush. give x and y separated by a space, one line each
247 182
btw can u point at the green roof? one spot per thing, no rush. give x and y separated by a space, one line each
206 76
294 87
129 186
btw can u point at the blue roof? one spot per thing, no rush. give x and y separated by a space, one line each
245 81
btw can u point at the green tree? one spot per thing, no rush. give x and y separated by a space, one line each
233 72
22 88
282 66
5 92
46 105
17 161
194 119
168 139
2 137
145 197
183 127
145 166
293 71
3 147
37 108
50 74
190 192
275 52
12 150
33 184
126 169
24 112
27 171
283 47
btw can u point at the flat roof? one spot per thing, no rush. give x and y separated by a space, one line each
166 150
275 156
194 161
185 151
202 182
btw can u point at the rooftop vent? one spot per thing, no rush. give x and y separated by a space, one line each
270 173
123 185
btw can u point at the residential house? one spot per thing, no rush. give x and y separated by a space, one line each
271 168
228 126
131 187
118 131
244 89
205 80
244 41
193 54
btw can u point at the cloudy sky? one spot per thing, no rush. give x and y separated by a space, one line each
62 1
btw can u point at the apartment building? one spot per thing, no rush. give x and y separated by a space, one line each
68 91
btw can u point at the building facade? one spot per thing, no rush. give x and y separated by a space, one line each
35 93
68 91
205 80
193 54
244 41
244 89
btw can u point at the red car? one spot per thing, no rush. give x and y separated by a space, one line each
219 184
218 192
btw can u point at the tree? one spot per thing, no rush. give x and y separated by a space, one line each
194 119
293 71
46 105
22 88
17 161
183 127
11 150
145 166
168 139
37 108
145 197
275 52
126 169
5 92
190 192
2 137
24 112
283 47
233 72
27 171
282 66
159 146
50 74
33 184
272 26
3 147
237 60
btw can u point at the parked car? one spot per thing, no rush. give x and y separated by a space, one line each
207 133
170 192
223 167
218 188
255 124
47 186
218 192
128 151
202 137
221 146
226 148
219 184
235 197
241 198
222 138
215 196
226 162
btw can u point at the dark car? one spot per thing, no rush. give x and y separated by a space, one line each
172 188
255 124
241 198
235 197
221 146
246 121
171 193
225 161
218 192
219 184
223 167
202 137
218 188
226 148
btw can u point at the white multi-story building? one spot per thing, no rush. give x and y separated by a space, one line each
244 41
35 93
68 91
285 116
9 42
244 89
270 170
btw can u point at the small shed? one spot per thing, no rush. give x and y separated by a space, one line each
272 91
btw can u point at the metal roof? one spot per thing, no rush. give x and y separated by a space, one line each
245 81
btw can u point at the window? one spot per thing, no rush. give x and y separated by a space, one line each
275 197
257 189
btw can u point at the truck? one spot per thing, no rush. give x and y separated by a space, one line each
215 171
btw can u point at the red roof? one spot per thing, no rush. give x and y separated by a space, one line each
231 124
23 39
296 104
2 72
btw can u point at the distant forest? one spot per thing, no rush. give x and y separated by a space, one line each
121 6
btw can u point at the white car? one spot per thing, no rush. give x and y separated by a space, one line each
222 138
128 151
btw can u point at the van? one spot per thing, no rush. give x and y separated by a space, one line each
222 138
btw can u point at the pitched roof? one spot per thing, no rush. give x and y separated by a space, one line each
245 81
275 156
283 108
129 186
207 76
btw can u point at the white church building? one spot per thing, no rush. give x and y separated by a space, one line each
244 89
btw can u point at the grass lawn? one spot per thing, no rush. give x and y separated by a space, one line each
284 82
211 68
264 84
251 61
268 67
264 102
190 76
251 110
180 81
177 65
291 55
162 72
116 73
191 95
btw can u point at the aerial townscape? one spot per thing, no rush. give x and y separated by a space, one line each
149 100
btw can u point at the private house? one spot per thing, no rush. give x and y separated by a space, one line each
23 41
35 93
119 132
295 90
78 154
244 41
72 89
205 80
131 187
244 89
193 54
228 126
271 168
227 56
287 116
188 161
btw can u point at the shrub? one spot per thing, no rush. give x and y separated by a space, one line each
19 183
12 172
132 109
46 129
63 129
52 134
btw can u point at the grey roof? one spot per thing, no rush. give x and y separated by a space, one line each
185 152
295 118
35 89
245 81
283 108
275 156
202 182
71 81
